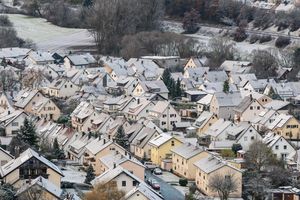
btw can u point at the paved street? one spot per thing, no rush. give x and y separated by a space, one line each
168 192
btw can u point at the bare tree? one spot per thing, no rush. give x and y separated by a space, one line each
264 64
224 185
259 156
219 50
32 78
8 79
110 20
108 191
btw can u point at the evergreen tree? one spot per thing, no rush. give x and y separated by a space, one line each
178 88
90 174
58 152
88 3
27 134
190 21
226 86
166 77
121 138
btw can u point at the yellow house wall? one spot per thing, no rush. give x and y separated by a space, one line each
285 132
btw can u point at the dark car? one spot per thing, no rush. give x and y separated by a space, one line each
155 185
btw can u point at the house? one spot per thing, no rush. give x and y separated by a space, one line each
39 58
13 122
62 88
126 161
285 125
33 102
80 115
76 147
6 105
13 53
215 76
210 167
257 85
244 134
116 104
219 130
79 61
40 187
102 123
284 192
279 106
184 157
155 87
281 148
164 115
240 80
5 157
204 121
194 62
140 144
53 71
236 67
204 103
138 108
195 73
165 61
125 180
98 148
143 192
248 109
223 104
161 147
30 165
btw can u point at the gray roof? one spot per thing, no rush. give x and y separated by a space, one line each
230 99
83 59
187 150
24 157
24 97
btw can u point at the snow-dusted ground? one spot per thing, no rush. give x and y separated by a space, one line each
72 175
206 33
47 36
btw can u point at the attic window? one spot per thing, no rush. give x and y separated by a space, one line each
172 143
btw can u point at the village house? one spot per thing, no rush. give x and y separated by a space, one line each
161 147
194 62
116 104
285 125
138 108
102 123
98 148
248 109
62 88
236 67
13 122
80 115
40 187
79 61
124 179
184 157
204 121
265 118
30 165
152 87
218 131
164 115
143 192
211 166
281 148
5 157
203 104
223 104
33 102
6 105
126 161
39 58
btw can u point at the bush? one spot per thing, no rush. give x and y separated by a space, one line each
254 38
265 38
240 35
282 41
183 182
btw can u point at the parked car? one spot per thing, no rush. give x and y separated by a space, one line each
157 171
149 165
149 181
155 185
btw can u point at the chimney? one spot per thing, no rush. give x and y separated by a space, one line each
125 153
104 141
251 98
138 101
115 165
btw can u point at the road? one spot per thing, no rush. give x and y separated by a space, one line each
167 191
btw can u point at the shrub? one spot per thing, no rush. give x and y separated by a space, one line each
265 38
240 34
183 182
282 41
254 38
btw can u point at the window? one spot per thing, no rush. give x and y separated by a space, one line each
134 183
65 86
123 183
15 124
276 147
252 137
71 86
258 107
172 143
284 147
251 107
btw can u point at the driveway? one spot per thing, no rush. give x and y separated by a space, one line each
167 191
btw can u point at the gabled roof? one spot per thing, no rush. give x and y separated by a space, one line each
187 150
161 139
111 159
212 163
218 127
154 86
83 59
11 117
228 99
83 110
109 175
204 117
98 145
276 104
146 190
43 183
280 121
24 97
24 157
40 56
